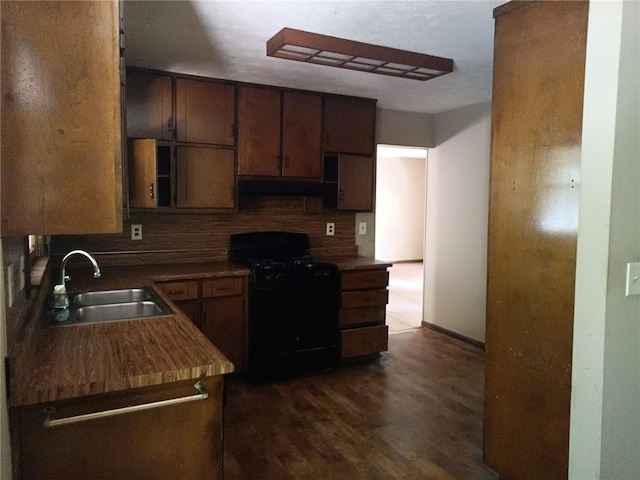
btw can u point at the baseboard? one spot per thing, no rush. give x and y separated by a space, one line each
452 334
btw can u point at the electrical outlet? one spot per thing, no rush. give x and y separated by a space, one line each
136 232
22 273
362 228
331 229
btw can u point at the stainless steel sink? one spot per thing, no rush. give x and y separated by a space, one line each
110 306
117 311
104 297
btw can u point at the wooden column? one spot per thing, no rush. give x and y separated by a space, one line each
533 218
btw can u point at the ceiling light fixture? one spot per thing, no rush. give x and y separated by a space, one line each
309 47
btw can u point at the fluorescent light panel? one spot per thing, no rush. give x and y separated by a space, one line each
302 46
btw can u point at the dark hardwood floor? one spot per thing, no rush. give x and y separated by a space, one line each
414 413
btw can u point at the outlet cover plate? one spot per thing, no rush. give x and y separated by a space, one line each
331 229
362 228
633 279
136 232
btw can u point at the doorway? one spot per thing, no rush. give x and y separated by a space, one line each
399 233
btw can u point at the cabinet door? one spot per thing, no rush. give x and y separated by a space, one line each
177 441
302 135
205 178
259 132
143 172
355 183
190 309
349 125
223 324
61 118
149 105
205 112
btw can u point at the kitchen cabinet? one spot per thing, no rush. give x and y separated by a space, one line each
205 112
186 296
538 86
362 316
149 98
349 125
61 118
351 181
279 134
179 439
218 307
204 176
223 317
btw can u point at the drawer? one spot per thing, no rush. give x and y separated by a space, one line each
364 298
180 290
362 315
365 279
357 342
222 287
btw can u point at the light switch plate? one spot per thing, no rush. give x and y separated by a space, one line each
633 279
362 228
22 273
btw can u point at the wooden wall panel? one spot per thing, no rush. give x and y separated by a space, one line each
169 238
533 217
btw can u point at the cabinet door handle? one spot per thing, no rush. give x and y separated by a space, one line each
233 130
233 193
278 162
169 122
151 192
286 161
49 411
341 196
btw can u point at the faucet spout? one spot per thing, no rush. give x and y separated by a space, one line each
96 268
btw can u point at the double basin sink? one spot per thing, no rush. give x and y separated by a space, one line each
110 306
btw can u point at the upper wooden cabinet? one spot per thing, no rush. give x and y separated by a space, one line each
190 178
349 125
205 112
355 183
258 132
280 133
61 118
205 178
149 105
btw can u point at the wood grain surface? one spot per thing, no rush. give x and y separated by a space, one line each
173 238
414 414
533 219
56 363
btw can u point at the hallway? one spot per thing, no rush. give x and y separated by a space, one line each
404 310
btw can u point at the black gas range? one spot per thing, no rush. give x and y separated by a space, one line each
293 305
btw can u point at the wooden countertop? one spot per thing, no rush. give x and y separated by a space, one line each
56 363
356 262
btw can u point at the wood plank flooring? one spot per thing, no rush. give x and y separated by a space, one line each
414 413
404 310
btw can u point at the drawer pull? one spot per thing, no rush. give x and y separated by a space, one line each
49 411
223 288
176 292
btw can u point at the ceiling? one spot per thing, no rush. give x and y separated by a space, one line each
227 39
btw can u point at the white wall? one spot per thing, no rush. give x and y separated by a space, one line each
394 127
456 221
605 406
400 196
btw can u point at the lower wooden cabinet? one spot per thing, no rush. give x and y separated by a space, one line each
364 296
175 441
223 317
218 307
357 342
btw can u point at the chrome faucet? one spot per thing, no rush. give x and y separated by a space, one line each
61 298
